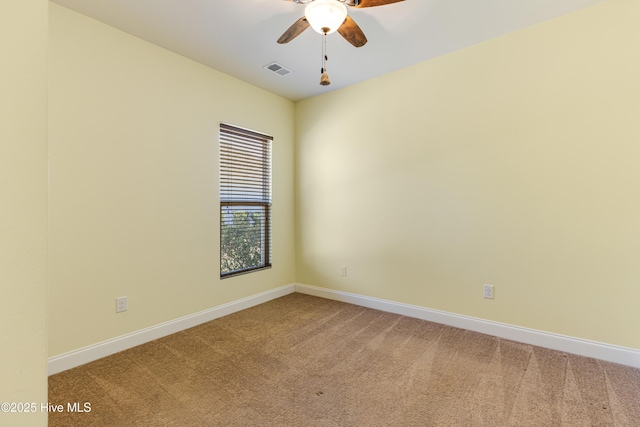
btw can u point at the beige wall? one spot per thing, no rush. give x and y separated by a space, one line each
134 183
23 211
513 162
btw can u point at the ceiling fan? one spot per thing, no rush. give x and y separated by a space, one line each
328 16
320 12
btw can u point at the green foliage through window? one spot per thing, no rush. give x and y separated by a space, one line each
241 239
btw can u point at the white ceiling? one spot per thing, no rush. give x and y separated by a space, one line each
238 37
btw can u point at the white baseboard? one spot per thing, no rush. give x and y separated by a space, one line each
97 351
608 352
597 350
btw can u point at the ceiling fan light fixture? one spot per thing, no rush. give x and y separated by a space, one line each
325 16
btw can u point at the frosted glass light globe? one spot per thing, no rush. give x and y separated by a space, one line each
325 14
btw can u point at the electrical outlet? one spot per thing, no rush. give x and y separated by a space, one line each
121 304
343 271
487 291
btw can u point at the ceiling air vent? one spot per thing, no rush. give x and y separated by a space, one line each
278 69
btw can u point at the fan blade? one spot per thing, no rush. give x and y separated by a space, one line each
294 31
372 3
352 33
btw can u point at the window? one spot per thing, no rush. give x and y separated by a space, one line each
245 200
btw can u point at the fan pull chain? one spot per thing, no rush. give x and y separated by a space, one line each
324 77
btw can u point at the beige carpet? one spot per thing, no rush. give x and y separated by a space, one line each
306 361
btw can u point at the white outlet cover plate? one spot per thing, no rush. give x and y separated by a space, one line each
121 304
488 291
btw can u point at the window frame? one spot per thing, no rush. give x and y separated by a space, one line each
251 167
